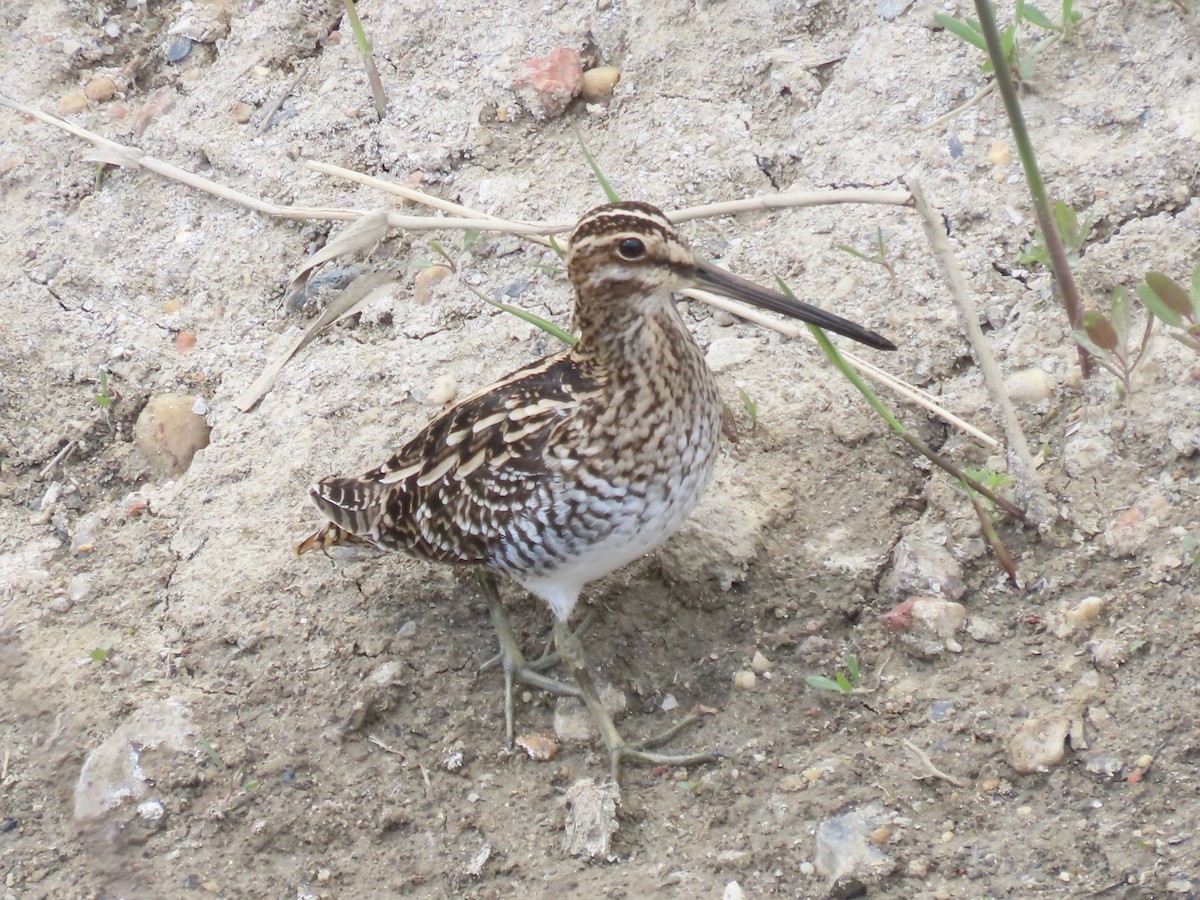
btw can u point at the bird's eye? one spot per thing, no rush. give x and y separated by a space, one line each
631 248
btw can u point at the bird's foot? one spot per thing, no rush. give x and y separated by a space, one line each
619 750
512 661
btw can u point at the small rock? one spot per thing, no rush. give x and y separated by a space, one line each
242 112
1179 886
168 433
1087 612
922 564
151 812
669 703
375 695
1038 744
1000 154
137 755
540 747
408 629
1108 655
100 89
72 103
927 625
1105 764
717 543
733 891
844 847
760 664
426 279
591 818
596 85
444 390
549 83
179 49
1028 387
985 631
573 723
745 680
917 868
793 783
725 353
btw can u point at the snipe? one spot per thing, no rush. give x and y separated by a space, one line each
576 465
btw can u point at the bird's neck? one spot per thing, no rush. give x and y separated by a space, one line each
626 339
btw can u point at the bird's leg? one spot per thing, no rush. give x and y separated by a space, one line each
512 660
570 650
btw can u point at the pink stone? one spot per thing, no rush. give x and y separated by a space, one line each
555 79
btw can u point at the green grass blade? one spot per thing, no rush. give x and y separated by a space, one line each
961 29
612 195
532 318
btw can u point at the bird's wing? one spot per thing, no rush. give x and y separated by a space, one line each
452 491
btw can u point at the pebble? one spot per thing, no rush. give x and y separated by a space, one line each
426 279
443 391
985 631
138 754
844 847
179 49
573 723
591 818
927 625
744 680
100 89
550 82
999 153
922 564
1028 387
72 103
242 112
596 85
1038 744
1087 612
760 664
540 747
733 891
168 433
669 703
725 353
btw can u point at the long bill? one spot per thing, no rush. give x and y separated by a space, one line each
711 278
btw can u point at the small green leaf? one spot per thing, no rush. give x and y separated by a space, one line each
1087 344
1157 307
1196 291
1035 16
852 667
845 248
1100 330
821 683
1120 315
844 683
960 28
1170 292
211 753
1067 223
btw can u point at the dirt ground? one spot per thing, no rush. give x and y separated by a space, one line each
321 727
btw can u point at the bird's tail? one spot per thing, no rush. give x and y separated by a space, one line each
353 507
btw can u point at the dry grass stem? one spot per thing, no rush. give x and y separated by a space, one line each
1039 507
463 218
934 771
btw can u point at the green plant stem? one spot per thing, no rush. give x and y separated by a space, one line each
368 57
1033 175
993 539
903 433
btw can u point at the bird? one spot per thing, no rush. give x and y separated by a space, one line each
576 465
